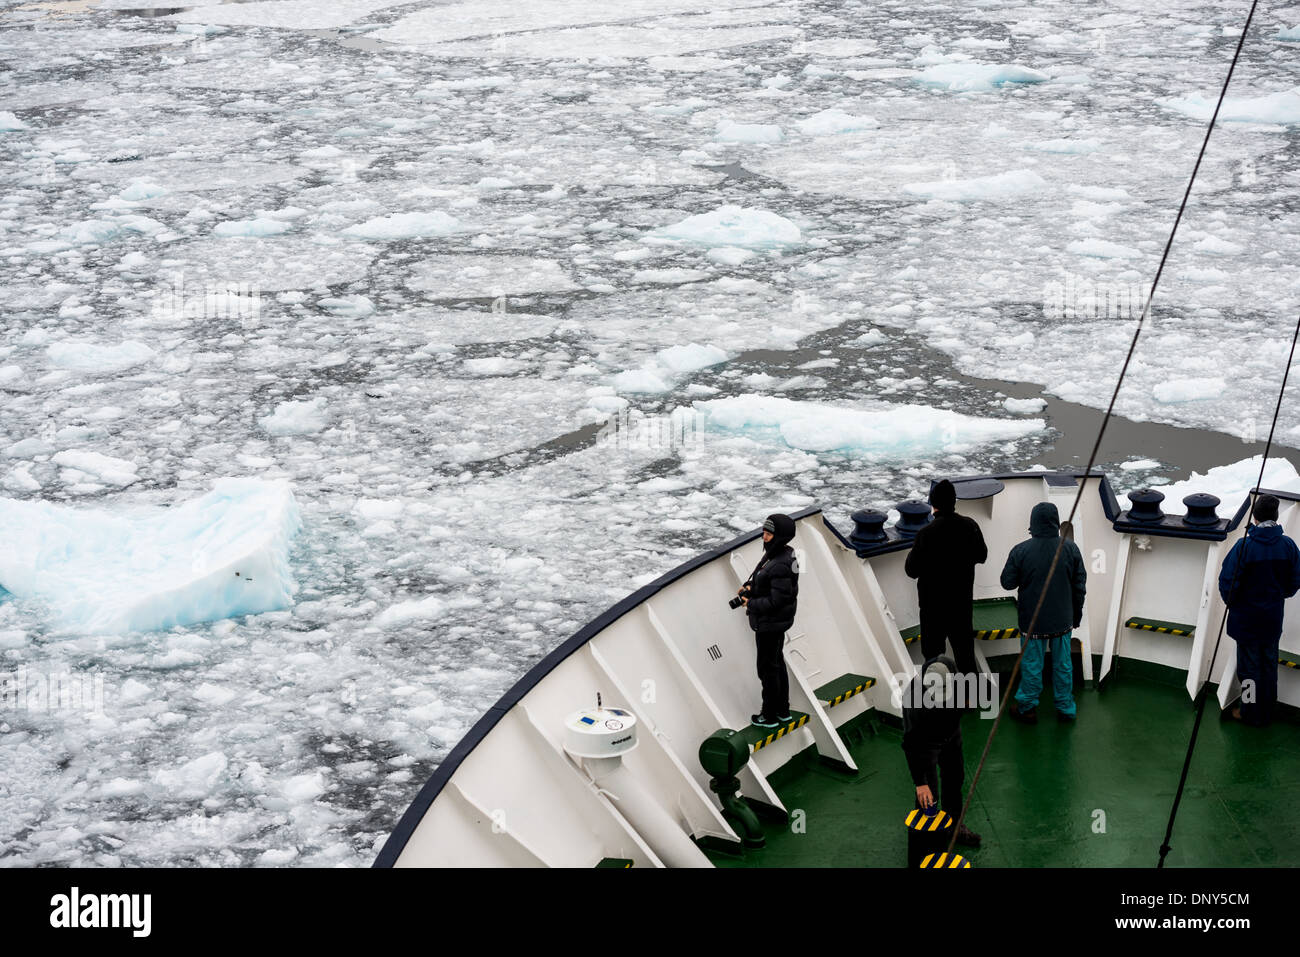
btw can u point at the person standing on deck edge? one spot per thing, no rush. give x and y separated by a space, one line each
943 560
770 597
1026 569
1260 573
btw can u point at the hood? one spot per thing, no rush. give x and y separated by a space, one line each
1044 521
1265 533
782 529
935 683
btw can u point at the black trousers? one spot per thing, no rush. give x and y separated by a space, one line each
947 765
949 624
772 674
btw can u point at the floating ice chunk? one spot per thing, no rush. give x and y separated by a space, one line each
114 571
96 359
404 611
729 132
1215 246
354 307
1024 406
1102 249
1135 465
195 779
1282 109
1231 483
1290 36
673 276
472 277
297 418
302 788
494 365
26 448
119 472
262 226
1189 390
641 381
10 122
898 432
667 366
731 226
406 226
93 232
1000 186
142 189
964 77
872 337
730 255
690 358
829 122
287 14
1065 146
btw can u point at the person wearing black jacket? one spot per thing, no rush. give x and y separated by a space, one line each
770 597
943 560
932 741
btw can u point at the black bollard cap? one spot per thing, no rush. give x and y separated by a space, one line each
868 528
1201 509
912 517
1146 506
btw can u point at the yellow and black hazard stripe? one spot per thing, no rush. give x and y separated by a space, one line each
1288 662
918 820
1164 628
993 634
781 732
944 860
839 698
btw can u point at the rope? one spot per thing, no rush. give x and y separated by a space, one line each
1202 694
1110 408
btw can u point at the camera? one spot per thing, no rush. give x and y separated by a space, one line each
739 599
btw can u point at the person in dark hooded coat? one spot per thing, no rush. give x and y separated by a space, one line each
1260 573
943 560
1027 570
932 741
771 596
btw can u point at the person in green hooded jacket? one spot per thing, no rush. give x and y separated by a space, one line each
1026 571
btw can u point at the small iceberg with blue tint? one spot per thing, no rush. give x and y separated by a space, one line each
144 569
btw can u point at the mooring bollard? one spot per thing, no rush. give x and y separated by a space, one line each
928 832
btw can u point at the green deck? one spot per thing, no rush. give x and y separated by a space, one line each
1038 800
992 619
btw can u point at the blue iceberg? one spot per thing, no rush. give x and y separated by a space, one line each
100 571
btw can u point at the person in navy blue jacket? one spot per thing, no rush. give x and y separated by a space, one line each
1260 573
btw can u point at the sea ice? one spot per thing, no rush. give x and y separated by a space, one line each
883 433
730 226
406 226
964 77
1006 185
112 571
297 418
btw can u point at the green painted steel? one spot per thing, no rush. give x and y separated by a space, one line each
842 688
757 737
1163 627
1091 794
